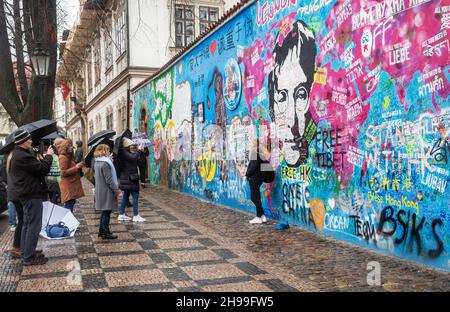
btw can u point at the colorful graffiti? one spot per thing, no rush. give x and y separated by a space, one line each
350 97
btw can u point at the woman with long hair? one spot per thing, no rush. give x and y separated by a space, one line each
106 189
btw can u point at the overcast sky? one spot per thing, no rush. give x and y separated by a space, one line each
70 7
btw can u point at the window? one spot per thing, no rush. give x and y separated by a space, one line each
109 118
184 25
89 73
97 63
98 122
91 128
107 40
207 16
120 32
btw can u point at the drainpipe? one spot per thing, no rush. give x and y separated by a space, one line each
127 18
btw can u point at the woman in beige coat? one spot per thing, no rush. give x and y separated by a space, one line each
70 184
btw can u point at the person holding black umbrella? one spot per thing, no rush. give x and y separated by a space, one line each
27 178
129 177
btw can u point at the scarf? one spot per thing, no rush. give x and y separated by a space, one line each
113 170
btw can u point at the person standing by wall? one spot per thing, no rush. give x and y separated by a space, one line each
27 180
70 184
106 189
129 178
79 152
143 166
254 174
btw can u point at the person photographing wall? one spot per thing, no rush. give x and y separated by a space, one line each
259 170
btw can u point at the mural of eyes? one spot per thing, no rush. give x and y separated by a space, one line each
281 101
301 98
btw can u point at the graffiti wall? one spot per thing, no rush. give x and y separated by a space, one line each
351 98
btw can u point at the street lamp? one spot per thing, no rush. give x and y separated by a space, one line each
40 60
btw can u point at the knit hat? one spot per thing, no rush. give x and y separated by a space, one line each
21 136
126 142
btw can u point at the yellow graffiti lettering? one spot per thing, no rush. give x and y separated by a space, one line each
321 76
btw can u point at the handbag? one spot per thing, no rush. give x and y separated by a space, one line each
58 230
134 176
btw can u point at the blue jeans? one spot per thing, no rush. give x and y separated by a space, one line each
126 194
32 224
104 219
69 204
12 214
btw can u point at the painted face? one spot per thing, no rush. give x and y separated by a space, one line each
291 102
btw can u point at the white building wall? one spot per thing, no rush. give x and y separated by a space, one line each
147 38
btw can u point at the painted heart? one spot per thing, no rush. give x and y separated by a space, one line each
212 47
331 202
318 212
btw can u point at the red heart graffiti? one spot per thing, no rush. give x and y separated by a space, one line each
212 47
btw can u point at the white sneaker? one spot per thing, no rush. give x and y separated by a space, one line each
263 219
12 228
256 220
123 218
138 218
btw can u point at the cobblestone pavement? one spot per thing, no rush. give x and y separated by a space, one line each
192 245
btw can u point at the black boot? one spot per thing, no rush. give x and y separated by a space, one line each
101 232
108 235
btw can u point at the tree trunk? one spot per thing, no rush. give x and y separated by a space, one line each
39 23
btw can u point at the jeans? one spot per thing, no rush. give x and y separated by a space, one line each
126 194
12 214
18 232
69 204
32 224
104 219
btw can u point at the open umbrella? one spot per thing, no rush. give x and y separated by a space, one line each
141 138
52 136
90 153
53 214
40 129
118 140
102 134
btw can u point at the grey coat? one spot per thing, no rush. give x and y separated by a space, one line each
106 191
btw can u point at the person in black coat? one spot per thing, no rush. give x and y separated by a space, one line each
27 175
255 179
79 152
129 177
143 166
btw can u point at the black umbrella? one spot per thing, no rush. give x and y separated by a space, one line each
52 136
118 141
102 134
40 129
90 153
8 146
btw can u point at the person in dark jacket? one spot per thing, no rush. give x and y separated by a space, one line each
27 177
129 178
79 152
255 180
143 166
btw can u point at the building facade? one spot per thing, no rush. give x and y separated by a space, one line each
7 126
113 46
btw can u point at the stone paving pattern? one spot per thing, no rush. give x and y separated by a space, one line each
191 245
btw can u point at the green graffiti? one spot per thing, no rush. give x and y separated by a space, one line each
163 89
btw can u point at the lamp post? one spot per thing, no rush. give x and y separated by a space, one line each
40 60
